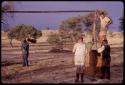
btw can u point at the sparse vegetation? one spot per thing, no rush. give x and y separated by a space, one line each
74 26
47 67
121 22
55 39
21 32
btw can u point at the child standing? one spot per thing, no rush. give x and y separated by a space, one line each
79 59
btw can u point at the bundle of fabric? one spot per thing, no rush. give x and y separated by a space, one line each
32 40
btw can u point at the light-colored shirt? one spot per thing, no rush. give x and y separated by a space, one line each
79 49
104 22
101 49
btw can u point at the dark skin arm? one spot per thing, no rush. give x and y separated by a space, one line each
110 22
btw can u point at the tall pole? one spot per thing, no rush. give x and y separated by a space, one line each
94 30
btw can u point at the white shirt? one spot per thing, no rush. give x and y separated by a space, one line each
101 49
79 48
104 22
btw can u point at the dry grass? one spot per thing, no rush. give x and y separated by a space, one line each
52 67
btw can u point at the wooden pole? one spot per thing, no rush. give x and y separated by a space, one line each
94 30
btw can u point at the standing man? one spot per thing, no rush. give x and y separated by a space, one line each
25 52
105 22
79 59
106 59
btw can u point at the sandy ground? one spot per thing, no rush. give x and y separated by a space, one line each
47 67
51 67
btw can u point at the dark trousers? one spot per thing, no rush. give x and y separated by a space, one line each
79 72
25 59
105 70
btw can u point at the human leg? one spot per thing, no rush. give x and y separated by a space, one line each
82 73
27 60
23 60
77 74
107 73
102 72
102 35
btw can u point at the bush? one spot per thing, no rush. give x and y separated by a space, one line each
54 39
21 32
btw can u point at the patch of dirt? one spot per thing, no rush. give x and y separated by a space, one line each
52 67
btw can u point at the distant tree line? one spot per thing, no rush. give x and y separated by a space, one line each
121 22
22 31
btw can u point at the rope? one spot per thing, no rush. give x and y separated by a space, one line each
68 11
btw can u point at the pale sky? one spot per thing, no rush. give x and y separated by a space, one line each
53 20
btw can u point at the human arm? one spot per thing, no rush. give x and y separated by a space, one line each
109 21
74 48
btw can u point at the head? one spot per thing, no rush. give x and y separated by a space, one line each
102 14
28 35
104 42
97 13
24 41
80 39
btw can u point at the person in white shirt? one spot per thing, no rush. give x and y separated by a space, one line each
105 22
79 59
